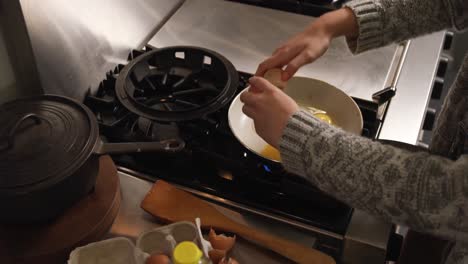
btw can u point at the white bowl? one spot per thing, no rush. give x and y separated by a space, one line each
342 109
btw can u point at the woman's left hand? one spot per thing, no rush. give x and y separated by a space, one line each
269 107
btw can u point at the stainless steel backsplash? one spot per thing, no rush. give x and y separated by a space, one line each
7 77
76 42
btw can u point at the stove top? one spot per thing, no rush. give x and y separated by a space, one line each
214 162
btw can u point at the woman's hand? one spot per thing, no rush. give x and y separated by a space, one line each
269 107
310 44
302 49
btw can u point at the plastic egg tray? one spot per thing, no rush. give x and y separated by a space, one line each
122 251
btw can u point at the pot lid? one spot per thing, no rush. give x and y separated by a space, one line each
43 139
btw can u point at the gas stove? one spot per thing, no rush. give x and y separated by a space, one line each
214 164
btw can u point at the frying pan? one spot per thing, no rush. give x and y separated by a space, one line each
306 92
49 151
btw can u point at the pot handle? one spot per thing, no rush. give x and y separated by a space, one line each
170 145
9 142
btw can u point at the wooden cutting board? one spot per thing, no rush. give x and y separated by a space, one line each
87 221
170 204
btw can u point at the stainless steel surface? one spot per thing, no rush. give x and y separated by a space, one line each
246 35
132 221
8 80
397 65
22 78
244 208
167 146
366 239
366 236
405 115
76 42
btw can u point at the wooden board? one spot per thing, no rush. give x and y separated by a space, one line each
170 204
87 221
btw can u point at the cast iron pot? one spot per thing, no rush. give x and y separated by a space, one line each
49 150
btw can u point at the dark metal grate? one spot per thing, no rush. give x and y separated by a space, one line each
176 83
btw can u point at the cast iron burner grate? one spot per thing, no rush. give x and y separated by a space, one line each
214 162
176 83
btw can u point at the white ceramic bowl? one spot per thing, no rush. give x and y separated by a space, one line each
342 109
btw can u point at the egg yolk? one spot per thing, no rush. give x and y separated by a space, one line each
320 114
271 153
324 117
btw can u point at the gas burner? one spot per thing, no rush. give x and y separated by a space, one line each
176 84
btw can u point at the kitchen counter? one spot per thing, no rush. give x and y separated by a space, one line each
132 221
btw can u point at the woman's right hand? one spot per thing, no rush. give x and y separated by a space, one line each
302 49
310 44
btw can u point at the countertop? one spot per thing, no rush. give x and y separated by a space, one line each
132 221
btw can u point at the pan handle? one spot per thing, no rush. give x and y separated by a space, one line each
170 146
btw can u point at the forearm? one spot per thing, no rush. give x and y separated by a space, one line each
381 22
341 22
369 24
420 190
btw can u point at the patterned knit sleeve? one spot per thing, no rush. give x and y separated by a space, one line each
382 22
423 191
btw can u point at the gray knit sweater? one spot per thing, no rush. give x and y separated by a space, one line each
425 191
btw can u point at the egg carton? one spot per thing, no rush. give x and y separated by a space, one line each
122 251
